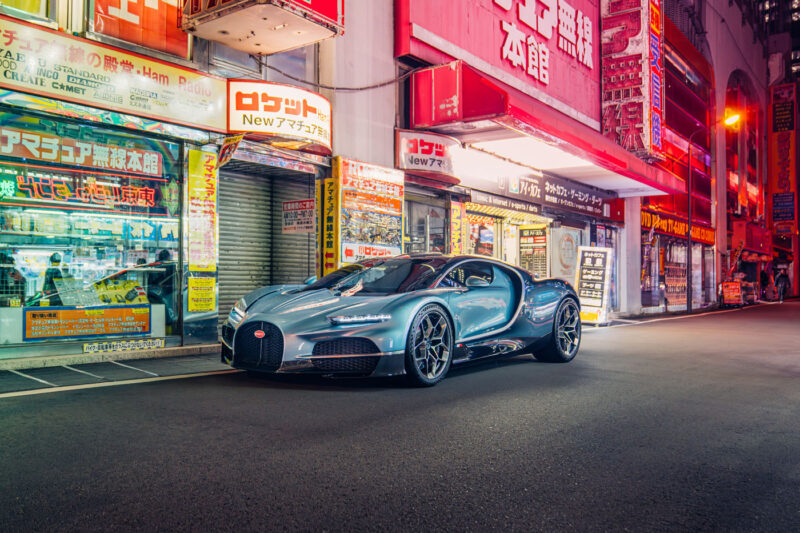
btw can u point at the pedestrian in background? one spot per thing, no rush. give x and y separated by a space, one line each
782 284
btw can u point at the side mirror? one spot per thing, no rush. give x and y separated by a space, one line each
309 280
475 281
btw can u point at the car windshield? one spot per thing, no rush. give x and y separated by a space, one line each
383 276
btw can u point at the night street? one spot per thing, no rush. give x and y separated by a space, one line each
680 424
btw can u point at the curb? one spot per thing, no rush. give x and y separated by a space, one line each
103 357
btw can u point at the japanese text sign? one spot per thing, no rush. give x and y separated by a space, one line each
298 216
150 23
546 49
53 149
47 323
282 112
669 225
426 154
592 284
61 66
202 211
632 65
783 159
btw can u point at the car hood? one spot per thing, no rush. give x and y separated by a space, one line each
286 305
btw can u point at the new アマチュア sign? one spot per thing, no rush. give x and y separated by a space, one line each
283 115
429 155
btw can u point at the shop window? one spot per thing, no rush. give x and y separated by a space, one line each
89 232
483 232
426 228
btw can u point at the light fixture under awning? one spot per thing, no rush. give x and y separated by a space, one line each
457 100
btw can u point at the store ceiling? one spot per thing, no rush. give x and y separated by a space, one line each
531 152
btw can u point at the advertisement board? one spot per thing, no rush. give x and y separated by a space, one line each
633 78
732 293
426 154
298 216
202 295
149 23
58 65
286 116
201 211
783 159
548 50
54 322
670 225
592 280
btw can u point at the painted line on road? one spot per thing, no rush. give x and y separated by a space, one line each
82 372
110 383
17 372
134 368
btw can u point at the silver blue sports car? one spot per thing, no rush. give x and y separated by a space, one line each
413 314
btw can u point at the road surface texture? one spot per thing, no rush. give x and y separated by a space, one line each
688 424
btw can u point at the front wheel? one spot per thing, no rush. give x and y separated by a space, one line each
429 347
566 337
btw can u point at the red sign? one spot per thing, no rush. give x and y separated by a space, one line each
150 23
32 145
425 154
547 49
783 159
331 11
56 188
633 75
732 292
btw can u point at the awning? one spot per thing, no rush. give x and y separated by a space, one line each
460 101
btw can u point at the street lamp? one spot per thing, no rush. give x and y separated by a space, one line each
729 120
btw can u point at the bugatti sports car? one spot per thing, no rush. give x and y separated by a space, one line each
415 315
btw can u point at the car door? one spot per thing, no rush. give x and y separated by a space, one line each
478 307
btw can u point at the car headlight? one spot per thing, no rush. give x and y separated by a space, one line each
358 319
237 313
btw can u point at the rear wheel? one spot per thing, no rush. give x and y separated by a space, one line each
429 347
566 337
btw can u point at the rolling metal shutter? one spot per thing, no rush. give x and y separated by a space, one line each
294 257
245 236
253 251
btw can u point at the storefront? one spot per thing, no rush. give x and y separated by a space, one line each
665 264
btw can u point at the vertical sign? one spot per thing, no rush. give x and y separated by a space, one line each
330 225
457 217
632 79
783 159
592 280
150 23
202 211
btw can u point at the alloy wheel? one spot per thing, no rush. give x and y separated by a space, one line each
432 344
568 328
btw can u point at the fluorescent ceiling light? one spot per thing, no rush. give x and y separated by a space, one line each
533 153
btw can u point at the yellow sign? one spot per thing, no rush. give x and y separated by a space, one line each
202 211
202 295
58 65
330 226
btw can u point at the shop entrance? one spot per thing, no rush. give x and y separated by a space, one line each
255 249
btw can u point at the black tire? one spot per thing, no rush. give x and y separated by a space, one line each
429 347
564 341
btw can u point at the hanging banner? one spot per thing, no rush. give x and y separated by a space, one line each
58 65
783 159
592 280
201 211
632 80
228 148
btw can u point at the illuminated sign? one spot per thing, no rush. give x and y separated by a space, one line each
783 159
593 277
679 228
150 23
54 322
58 65
33 145
632 79
426 154
202 211
286 116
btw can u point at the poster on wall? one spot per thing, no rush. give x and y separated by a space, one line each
592 280
202 211
202 295
783 159
565 242
298 216
371 210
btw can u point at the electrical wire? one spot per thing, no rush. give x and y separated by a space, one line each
334 88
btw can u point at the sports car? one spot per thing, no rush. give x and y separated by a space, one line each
415 315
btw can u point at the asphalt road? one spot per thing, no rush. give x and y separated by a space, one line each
676 425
